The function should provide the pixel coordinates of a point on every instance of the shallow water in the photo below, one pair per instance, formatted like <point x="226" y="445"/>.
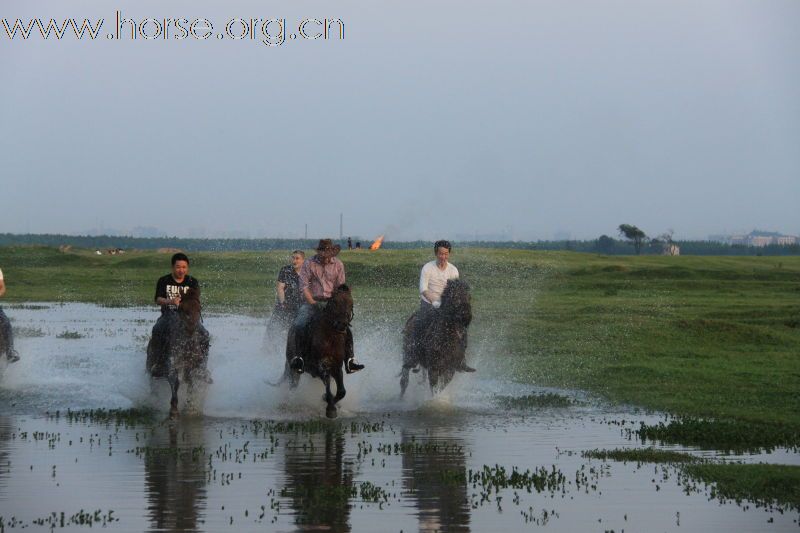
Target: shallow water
<point x="236" y="461"/>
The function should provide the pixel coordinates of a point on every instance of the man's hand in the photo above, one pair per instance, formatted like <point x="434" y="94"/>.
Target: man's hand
<point x="176" y="301"/>
<point x="437" y="304"/>
<point x="308" y="296"/>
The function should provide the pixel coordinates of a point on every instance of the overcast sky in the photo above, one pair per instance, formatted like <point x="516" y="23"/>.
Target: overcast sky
<point x="534" y="119"/>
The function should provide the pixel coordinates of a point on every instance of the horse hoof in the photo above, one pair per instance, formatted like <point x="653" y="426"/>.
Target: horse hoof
<point x="330" y="412"/>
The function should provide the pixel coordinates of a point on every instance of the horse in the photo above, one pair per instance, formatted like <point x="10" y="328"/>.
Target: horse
<point x="322" y="345"/>
<point x="178" y="351"/>
<point x="7" y="339"/>
<point x="437" y="341"/>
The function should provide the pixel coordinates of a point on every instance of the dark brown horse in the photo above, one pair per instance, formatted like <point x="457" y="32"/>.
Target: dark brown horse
<point x="438" y="341"/>
<point x="7" y="339"/>
<point x="323" y="346"/>
<point x="179" y="350"/>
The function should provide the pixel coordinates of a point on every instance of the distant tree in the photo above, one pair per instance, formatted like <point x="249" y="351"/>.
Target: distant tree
<point x="605" y="244"/>
<point x="633" y="234"/>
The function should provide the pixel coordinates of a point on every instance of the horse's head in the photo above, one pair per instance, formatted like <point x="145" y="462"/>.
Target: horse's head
<point x="339" y="311"/>
<point x="457" y="302"/>
<point x="190" y="307"/>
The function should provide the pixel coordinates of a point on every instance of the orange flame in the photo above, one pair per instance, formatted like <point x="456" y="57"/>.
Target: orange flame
<point x="377" y="244"/>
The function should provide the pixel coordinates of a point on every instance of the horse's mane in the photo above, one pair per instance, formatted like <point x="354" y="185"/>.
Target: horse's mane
<point x="340" y="305"/>
<point x="190" y="308"/>
<point x="456" y="302"/>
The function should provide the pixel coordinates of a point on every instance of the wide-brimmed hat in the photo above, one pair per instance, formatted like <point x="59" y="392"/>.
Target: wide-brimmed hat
<point x="326" y="245"/>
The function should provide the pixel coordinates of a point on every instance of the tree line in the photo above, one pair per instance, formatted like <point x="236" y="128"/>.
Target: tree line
<point x="604" y="244"/>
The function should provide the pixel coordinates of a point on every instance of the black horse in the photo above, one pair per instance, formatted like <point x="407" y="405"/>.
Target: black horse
<point x="322" y="345"/>
<point x="437" y="341"/>
<point x="7" y="339"/>
<point x="179" y="351"/>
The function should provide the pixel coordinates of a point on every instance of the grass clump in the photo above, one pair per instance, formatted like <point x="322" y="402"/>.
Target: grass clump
<point x="533" y="401"/>
<point x="120" y="417"/>
<point x="641" y="455"/>
<point x="725" y="435"/>
<point x="69" y="335"/>
<point x="762" y="484"/>
<point x="28" y="332"/>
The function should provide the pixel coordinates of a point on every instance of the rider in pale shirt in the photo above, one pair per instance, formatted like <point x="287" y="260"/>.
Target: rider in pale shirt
<point x="319" y="278"/>
<point x="432" y="281"/>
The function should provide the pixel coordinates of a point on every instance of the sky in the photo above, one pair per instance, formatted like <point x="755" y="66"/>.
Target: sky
<point x="445" y="119"/>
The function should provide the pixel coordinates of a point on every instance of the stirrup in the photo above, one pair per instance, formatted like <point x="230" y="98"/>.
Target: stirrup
<point x="297" y="364"/>
<point x="13" y="357"/>
<point x="351" y="366"/>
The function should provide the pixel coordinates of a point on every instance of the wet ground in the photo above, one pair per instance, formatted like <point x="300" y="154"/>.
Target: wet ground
<point x="246" y="456"/>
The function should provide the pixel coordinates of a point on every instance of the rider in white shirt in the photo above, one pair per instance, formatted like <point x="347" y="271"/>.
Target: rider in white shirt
<point x="432" y="281"/>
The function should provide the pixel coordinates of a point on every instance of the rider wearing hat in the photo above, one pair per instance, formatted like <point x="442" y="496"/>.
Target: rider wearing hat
<point x="319" y="277"/>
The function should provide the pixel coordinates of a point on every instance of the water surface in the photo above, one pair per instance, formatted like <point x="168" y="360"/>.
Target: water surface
<point x="249" y="456"/>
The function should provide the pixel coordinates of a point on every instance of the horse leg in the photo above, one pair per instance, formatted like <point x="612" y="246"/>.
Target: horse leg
<point x="174" y="383"/>
<point x="330" y="411"/>
<point x="403" y="381"/>
<point x="340" y="390"/>
<point x="433" y="379"/>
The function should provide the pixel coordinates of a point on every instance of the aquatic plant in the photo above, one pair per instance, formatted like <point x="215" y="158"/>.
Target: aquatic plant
<point x="641" y="455"/>
<point x="69" y="335"/>
<point x="765" y="485"/>
<point x="724" y="435"/>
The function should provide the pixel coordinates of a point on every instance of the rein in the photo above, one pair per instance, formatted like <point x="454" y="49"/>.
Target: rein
<point x="340" y="326"/>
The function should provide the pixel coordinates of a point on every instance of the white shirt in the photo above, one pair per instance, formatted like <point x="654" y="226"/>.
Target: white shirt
<point x="433" y="279"/>
<point x="1" y="275"/>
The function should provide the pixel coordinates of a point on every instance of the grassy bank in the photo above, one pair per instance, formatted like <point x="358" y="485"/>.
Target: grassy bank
<point x="699" y="336"/>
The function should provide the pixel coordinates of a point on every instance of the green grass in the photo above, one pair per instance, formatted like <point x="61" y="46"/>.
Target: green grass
<point x="726" y="435"/>
<point x="641" y="455"/>
<point x="713" y="337"/>
<point x="762" y="484"/>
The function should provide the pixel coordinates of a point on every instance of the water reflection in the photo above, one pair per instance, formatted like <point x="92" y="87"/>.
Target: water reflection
<point x="318" y="482"/>
<point x="175" y="476"/>
<point x="434" y="476"/>
<point x="6" y="432"/>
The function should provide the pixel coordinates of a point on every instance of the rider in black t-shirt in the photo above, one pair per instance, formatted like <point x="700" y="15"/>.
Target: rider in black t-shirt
<point x="169" y="290"/>
<point x="171" y="287"/>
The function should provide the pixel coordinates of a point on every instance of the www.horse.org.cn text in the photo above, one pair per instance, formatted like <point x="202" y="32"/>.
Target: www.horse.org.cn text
<point x="267" y="31"/>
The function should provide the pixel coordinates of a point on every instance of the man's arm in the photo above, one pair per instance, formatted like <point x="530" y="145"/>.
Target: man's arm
<point x="308" y="296"/>
<point x="339" y="274"/>
<point x="161" y="288"/>
<point x="305" y="282"/>
<point x="2" y="287"/>
<point x="423" y="285"/>
<point x="280" y="290"/>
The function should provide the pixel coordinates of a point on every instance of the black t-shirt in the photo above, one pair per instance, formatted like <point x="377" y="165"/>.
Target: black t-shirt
<point x="168" y="288"/>
<point x="291" y="279"/>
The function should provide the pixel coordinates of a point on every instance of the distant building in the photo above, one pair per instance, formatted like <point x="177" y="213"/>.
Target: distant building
<point x="785" y="240"/>
<point x="757" y="239"/>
